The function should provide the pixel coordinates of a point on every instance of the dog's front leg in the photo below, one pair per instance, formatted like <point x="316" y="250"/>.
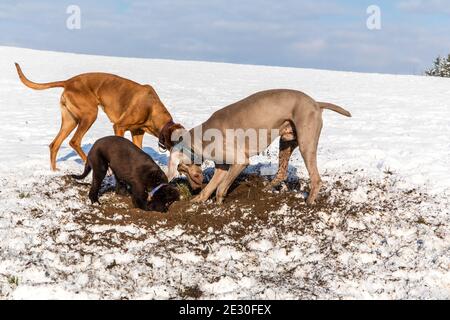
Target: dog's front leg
<point x="234" y="171"/>
<point x="118" y="130"/>
<point x="219" y="174"/>
<point x="139" y="196"/>
<point x="121" y="187"/>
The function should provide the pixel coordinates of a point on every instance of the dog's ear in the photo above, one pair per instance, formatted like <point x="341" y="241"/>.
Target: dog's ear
<point x="157" y="206"/>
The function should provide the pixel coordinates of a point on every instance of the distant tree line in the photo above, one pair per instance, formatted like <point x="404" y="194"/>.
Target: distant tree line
<point x="441" y="68"/>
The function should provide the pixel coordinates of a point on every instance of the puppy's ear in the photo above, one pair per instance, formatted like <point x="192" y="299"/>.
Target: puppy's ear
<point x="157" y="206"/>
<point x="172" y="194"/>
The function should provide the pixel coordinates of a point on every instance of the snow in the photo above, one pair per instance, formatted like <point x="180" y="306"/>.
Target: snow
<point x="398" y="137"/>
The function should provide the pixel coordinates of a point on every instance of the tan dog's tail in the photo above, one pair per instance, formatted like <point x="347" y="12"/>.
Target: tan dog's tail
<point x="38" y="86"/>
<point x="335" y="108"/>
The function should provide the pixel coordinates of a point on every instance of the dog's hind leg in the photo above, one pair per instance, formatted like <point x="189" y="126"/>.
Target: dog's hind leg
<point x="308" y="134"/>
<point x="286" y="150"/>
<point x="99" y="173"/>
<point x="118" y="131"/>
<point x="68" y="123"/>
<point x="85" y="109"/>
<point x="83" y="127"/>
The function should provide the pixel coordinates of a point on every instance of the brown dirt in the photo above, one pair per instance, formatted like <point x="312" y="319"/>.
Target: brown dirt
<point x="246" y="209"/>
<point x="191" y="293"/>
<point x="247" y="204"/>
<point x="246" y="194"/>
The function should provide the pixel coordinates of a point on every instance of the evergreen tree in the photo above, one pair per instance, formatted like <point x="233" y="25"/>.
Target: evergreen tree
<point x="446" y="68"/>
<point x="441" y="68"/>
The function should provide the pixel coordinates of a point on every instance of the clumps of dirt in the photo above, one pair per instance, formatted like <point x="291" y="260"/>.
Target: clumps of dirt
<point x="246" y="194"/>
<point x="193" y="292"/>
<point x="248" y="206"/>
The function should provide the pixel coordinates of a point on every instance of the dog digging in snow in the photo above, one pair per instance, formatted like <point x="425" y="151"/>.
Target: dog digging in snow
<point x="129" y="106"/>
<point x="246" y="128"/>
<point x="131" y="167"/>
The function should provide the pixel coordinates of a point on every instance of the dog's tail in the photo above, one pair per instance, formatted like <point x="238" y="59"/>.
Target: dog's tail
<point x="87" y="169"/>
<point x="38" y="86"/>
<point x="335" y="108"/>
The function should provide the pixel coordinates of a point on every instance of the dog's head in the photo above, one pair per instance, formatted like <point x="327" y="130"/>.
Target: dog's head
<point x="163" y="198"/>
<point x="183" y="160"/>
<point x="179" y="162"/>
<point x="193" y="173"/>
<point x="170" y="134"/>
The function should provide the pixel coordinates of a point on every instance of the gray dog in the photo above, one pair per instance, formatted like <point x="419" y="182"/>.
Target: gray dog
<point x="292" y="115"/>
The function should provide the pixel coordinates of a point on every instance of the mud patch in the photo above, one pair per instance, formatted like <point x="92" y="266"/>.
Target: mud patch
<point x="247" y="206"/>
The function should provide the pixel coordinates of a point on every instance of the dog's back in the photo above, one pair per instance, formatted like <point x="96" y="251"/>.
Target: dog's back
<point x="118" y="153"/>
<point x="121" y="155"/>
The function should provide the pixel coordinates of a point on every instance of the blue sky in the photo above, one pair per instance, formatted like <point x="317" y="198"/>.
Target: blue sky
<point x="326" y="34"/>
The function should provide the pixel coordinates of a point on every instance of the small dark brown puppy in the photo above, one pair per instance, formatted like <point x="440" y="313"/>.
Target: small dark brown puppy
<point x="133" y="167"/>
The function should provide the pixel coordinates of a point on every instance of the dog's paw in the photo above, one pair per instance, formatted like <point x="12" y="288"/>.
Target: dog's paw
<point x="271" y="187"/>
<point x="310" y="202"/>
<point x="276" y="186"/>
<point x="198" y="199"/>
<point x="94" y="200"/>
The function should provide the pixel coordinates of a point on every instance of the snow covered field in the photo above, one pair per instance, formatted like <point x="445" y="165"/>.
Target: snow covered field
<point x="383" y="230"/>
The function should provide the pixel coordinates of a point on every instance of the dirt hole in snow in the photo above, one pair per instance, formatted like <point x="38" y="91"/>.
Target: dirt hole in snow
<point x="249" y="208"/>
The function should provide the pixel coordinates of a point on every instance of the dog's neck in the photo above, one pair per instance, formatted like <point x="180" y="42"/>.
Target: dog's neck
<point x="152" y="192"/>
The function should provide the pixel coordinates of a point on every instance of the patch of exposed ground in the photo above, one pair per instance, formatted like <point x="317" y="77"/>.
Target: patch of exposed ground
<point x="364" y="238"/>
<point x="247" y="205"/>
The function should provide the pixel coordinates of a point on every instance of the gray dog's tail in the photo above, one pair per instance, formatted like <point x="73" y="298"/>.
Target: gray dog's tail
<point x="335" y="108"/>
<point x="87" y="169"/>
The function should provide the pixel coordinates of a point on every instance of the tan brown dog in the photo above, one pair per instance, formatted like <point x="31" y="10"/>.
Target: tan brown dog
<point x="130" y="107"/>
